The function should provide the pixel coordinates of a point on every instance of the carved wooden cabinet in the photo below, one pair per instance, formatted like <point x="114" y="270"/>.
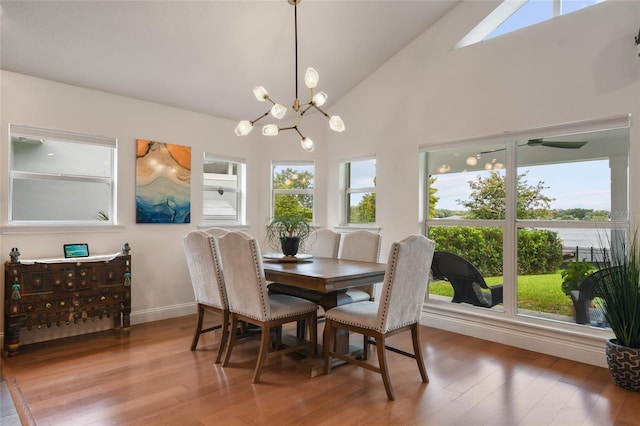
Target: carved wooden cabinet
<point x="50" y="292"/>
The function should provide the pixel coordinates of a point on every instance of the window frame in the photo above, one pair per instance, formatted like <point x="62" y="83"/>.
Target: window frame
<point x="347" y="190"/>
<point x="293" y="191"/>
<point x="239" y="190"/>
<point x="502" y="13"/>
<point x="17" y="130"/>
<point x="511" y="224"/>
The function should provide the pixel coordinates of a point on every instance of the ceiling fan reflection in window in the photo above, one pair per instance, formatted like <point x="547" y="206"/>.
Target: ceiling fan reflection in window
<point x="550" y="144"/>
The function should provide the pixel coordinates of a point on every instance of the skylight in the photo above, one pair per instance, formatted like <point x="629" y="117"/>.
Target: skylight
<point x="511" y="15"/>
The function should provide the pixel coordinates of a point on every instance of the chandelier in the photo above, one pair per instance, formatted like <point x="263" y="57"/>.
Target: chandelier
<point x="278" y="111"/>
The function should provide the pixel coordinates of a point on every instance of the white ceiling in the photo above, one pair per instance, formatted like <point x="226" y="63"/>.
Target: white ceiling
<point x="206" y="56"/>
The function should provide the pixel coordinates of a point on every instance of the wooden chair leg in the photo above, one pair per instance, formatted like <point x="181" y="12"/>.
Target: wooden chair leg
<point x="262" y="354"/>
<point x="384" y="370"/>
<point x="415" y="336"/>
<point x="301" y="329"/>
<point x="313" y="332"/>
<point x="225" y="335"/>
<point x="196" y="335"/>
<point x="232" y="340"/>
<point x="327" y="345"/>
<point x="365" y="347"/>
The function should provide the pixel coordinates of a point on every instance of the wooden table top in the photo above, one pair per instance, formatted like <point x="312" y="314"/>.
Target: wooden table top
<point x="324" y="274"/>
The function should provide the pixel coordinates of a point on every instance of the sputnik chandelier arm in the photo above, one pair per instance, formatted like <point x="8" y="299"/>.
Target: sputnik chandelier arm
<point x="278" y="111"/>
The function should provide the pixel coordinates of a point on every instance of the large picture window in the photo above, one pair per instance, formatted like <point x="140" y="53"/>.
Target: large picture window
<point x="60" y="177"/>
<point x="531" y="212"/>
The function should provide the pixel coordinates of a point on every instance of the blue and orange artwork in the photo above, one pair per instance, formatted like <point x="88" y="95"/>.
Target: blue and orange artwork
<point x="163" y="182"/>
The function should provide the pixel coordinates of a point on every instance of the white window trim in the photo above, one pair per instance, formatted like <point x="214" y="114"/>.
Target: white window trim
<point x="275" y="191"/>
<point x="346" y="191"/>
<point x="582" y="344"/>
<point x="21" y="130"/>
<point x="241" y="208"/>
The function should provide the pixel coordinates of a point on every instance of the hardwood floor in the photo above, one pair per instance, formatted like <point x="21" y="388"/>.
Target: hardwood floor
<point x="151" y="378"/>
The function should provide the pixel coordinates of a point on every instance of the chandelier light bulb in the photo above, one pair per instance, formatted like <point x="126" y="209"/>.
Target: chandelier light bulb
<point x="243" y="128"/>
<point x="270" y="130"/>
<point x="320" y="98"/>
<point x="471" y="161"/>
<point x="260" y="93"/>
<point x="278" y="111"/>
<point x="311" y="78"/>
<point x="336" y="123"/>
<point x="307" y="144"/>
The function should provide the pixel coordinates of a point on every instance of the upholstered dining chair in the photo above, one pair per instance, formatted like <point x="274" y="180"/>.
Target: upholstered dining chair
<point x="216" y="232"/>
<point x="363" y="246"/>
<point x="203" y="262"/>
<point x="249" y="299"/>
<point x="322" y="243"/>
<point x="403" y="291"/>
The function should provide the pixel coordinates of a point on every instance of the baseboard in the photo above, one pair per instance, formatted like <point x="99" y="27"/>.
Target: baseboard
<point x="164" y="312"/>
<point x="581" y="344"/>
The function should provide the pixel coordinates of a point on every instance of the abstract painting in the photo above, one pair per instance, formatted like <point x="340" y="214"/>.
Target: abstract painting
<point x="163" y="182"/>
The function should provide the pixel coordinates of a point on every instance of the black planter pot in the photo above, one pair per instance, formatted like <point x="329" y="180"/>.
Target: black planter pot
<point x="290" y="245"/>
<point x="624" y="365"/>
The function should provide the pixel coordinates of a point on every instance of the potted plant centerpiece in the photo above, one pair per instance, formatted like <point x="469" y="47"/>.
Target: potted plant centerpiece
<point x="287" y="232"/>
<point x="619" y="291"/>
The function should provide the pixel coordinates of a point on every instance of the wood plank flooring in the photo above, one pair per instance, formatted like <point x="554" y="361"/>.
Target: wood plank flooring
<point x="151" y="378"/>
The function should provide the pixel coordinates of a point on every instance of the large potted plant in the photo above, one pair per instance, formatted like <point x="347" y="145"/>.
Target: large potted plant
<point x="287" y="232"/>
<point x="619" y="291"/>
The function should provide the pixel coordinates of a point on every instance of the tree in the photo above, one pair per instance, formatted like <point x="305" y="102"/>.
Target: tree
<point x="293" y="204"/>
<point x="433" y="199"/>
<point x="487" y="198"/>
<point x="365" y="211"/>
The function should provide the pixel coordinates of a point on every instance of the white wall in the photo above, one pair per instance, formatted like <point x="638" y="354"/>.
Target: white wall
<point x="572" y="68"/>
<point x="575" y="67"/>
<point x="161" y="287"/>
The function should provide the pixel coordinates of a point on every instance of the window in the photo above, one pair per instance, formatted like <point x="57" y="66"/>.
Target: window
<point x="524" y="210"/>
<point x="360" y="191"/>
<point x="223" y="197"/>
<point x="59" y="177"/>
<point x="293" y="188"/>
<point x="512" y="15"/>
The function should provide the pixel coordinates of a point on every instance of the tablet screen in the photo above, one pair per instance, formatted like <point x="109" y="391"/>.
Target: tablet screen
<point x="76" y="250"/>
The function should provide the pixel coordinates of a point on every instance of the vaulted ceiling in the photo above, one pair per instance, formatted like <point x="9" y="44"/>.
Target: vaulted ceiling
<point x="206" y="56"/>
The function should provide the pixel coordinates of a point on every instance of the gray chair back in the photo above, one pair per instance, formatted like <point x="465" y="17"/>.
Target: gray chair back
<point x="244" y="275"/>
<point x="405" y="282"/>
<point x="203" y="261"/>
<point x="216" y="232"/>
<point x="363" y="246"/>
<point x="323" y="243"/>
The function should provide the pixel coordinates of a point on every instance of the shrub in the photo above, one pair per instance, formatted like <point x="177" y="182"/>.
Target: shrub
<point x="539" y="250"/>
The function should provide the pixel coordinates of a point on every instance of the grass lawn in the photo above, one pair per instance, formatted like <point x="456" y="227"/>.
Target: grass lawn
<point x="540" y="293"/>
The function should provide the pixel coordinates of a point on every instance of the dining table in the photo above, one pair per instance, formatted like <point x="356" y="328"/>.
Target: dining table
<point x="329" y="277"/>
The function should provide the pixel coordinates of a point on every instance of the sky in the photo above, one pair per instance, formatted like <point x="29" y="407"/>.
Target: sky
<point x="573" y="185"/>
